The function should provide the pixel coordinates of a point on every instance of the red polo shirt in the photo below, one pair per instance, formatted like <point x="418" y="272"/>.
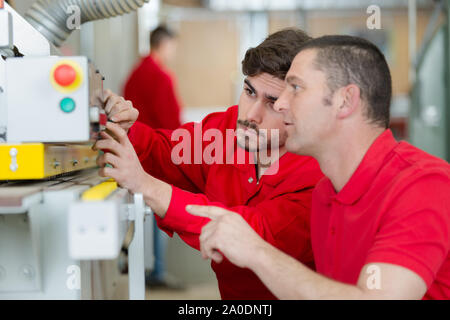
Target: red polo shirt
<point x="277" y="207"/>
<point x="394" y="209"/>
<point x="152" y="89"/>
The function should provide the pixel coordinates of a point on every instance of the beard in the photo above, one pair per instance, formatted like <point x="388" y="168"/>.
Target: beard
<point x="253" y="139"/>
<point x="248" y="137"/>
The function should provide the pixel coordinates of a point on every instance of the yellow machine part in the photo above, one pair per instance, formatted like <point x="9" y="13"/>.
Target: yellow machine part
<point x="32" y="161"/>
<point x="100" y="191"/>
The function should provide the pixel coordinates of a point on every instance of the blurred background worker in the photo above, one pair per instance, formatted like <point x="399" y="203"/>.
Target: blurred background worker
<point x="151" y="88"/>
<point x="151" y="85"/>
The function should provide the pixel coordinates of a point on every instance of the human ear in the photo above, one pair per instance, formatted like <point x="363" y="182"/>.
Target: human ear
<point x="351" y="101"/>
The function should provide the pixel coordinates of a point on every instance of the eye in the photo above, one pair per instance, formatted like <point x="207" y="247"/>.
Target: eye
<point x="295" y="87"/>
<point x="249" y="92"/>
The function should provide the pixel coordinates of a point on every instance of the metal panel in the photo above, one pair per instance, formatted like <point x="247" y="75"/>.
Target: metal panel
<point x="35" y="262"/>
<point x="34" y="113"/>
<point x="103" y="223"/>
<point x="19" y="266"/>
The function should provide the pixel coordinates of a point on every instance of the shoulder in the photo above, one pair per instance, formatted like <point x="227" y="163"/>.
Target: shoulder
<point x="221" y="120"/>
<point x="418" y="183"/>
<point x="417" y="158"/>
<point x="149" y="67"/>
<point x="413" y="165"/>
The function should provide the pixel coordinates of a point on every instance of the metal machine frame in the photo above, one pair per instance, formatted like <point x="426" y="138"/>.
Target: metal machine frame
<point x="62" y="227"/>
<point x="41" y="255"/>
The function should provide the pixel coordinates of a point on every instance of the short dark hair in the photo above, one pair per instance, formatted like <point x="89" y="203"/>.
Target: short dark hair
<point x="159" y="34"/>
<point x="346" y="60"/>
<point x="275" y="54"/>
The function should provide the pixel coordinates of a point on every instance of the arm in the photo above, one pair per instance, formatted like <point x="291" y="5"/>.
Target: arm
<point x="159" y="153"/>
<point x="155" y="148"/>
<point x="286" y="277"/>
<point x="401" y="264"/>
<point x="280" y="231"/>
<point x="289" y="279"/>
<point x="169" y="202"/>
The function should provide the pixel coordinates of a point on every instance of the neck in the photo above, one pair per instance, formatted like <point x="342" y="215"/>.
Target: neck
<point x="157" y="57"/>
<point x="340" y="159"/>
<point x="267" y="158"/>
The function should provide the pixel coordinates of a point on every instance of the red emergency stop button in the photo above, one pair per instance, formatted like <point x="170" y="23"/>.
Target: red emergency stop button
<point x="65" y="75"/>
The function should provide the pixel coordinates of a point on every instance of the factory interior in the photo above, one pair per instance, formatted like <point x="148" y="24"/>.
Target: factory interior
<point x="50" y="190"/>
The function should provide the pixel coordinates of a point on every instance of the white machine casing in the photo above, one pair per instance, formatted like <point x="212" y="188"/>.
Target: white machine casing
<point x="97" y="228"/>
<point x="53" y="243"/>
<point x="33" y="104"/>
<point x="16" y="31"/>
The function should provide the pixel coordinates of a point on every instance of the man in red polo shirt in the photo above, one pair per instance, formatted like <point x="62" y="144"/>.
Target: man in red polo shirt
<point x="380" y="220"/>
<point x="272" y="192"/>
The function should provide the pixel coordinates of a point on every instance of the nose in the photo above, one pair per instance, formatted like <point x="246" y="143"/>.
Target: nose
<point x="281" y="105"/>
<point x="255" y="113"/>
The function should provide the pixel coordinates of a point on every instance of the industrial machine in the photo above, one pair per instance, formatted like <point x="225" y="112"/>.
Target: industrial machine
<point x="429" y="123"/>
<point x="62" y="227"/>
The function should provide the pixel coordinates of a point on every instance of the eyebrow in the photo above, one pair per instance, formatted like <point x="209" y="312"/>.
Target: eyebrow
<point x="267" y="96"/>
<point x="291" y="79"/>
<point x="247" y="82"/>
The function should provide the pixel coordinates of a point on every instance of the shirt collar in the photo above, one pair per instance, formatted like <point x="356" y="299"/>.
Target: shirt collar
<point x="277" y="172"/>
<point x="364" y="175"/>
<point x="282" y="168"/>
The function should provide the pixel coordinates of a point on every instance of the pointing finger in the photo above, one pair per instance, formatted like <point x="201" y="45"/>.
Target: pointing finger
<point x="206" y="211"/>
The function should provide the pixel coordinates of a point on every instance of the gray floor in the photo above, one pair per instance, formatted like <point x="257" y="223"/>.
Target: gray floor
<point x="204" y="291"/>
<point x="194" y="291"/>
<point x="187" y="265"/>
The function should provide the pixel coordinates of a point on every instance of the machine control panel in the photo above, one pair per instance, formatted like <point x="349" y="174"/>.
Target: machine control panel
<point x="53" y="103"/>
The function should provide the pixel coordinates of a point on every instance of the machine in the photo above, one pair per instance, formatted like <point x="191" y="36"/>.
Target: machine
<point x="62" y="227"/>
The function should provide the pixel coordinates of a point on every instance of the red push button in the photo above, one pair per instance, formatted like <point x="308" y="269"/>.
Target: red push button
<point x="65" y="75"/>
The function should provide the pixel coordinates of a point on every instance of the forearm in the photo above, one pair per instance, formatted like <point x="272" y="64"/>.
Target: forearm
<point x="154" y="148"/>
<point x="157" y="195"/>
<point x="287" y="278"/>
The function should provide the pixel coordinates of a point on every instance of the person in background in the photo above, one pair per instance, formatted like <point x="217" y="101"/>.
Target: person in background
<point x="151" y="88"/>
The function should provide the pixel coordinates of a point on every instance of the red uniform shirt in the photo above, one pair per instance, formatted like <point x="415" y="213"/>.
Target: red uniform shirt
<point x="394" y="209"/>
<point x="277" y="207"/>
<point x="151" y="88"/>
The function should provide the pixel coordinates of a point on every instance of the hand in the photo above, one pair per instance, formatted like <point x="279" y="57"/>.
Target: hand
<point x="119" y="110"/>
<point x="126" y="168"/>
<point x="228" y="233"/>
